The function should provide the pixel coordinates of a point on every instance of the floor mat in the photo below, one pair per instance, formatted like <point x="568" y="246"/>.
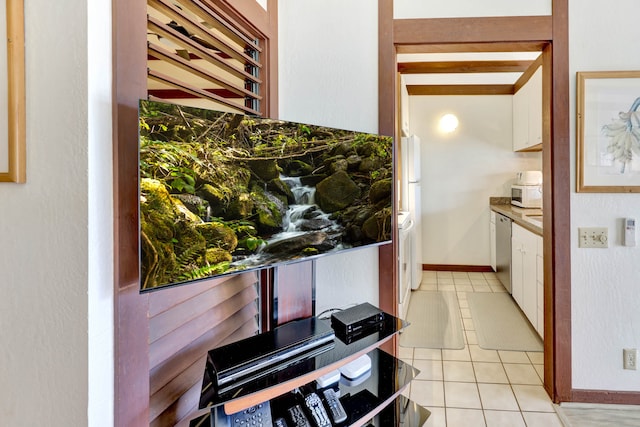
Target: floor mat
<point x="499" y="323"/>
<point x="594" y="415"/>
<point x="435" y="321"/>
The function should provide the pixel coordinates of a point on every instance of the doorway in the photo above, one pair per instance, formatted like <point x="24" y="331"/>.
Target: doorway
<point x="513" y="34"/>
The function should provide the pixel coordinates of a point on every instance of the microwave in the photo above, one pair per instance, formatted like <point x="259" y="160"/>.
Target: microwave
<point x="526" y="196"/>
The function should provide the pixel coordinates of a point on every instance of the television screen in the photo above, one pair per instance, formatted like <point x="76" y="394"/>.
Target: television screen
<point x="222" y="192"/>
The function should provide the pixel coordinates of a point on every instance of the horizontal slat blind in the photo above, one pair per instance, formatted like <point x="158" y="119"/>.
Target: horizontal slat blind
<point x="184" y="323"/>
<point x="198" y="56"/>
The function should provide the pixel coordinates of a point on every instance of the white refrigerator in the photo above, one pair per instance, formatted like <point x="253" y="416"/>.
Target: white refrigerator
<point x="411" y="201"/>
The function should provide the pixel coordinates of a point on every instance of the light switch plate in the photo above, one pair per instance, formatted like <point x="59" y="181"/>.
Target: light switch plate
<point x="593" y="237"/>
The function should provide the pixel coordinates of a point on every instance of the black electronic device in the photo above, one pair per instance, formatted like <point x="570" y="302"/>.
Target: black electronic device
<point x="208" y="180"/>
<point x="316" y="409"/>
<point x="256" y="355"/>
<point x="258" y="415"/>
<point x="355" y="320"/>
<point x="298" y="418"/>
<point x="336" y="409"/>
<point x="280" y="422"/>
<point x="360" y="404"/>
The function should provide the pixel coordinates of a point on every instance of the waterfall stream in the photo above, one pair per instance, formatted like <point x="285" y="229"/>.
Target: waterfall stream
<point x="303" y="225"/>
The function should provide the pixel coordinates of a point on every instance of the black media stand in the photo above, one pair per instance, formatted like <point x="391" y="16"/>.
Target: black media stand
<point x="377" y="399"/>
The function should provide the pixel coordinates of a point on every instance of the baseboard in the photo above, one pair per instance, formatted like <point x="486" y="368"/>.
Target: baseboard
<point x="605" y="397"/>
<point x="455" y="267"/>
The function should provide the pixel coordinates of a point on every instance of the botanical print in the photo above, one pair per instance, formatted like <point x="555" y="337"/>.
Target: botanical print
<point x="624" y="138"/>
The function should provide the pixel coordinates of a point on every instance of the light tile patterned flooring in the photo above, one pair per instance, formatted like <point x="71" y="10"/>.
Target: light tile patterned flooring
<point x="476" y="387"/>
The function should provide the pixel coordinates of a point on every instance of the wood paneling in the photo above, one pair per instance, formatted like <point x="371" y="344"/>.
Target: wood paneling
<point x="437" y="67"/>
<point x="131" y="326"/>
<point x="460" y="89"/>
<point x="178" y="349"/>
<point x="217" y="311"/>
<point x="524" y="78"/>
<point x="388" y="80"/>
<point x="496" y="46"/>
<point x="557" y="196"/>
<point x="294" y="285"/>
<point x="505" y="29"/>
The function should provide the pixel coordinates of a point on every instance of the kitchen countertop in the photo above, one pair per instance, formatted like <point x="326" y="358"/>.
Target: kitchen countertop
<point x="531" y="219"/>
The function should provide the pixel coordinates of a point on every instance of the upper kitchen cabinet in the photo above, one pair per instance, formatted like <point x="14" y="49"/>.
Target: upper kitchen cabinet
<point x="527" y="115"/>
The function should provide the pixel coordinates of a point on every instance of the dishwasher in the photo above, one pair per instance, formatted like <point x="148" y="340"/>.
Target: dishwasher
<point x="503" y="250"/>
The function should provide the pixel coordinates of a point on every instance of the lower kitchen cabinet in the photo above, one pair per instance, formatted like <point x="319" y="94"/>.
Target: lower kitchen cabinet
<point x="524" y="272"/>
<point x="540" y="285"/>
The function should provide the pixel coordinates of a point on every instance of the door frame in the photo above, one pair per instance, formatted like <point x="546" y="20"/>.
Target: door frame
<point x="551" y="33"/>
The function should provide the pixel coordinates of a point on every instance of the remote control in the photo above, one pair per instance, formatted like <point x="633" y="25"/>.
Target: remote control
<point x="320" y="416"/>
<point x="280" y="422"/>
<point x="258" y="415"/>
<point x="297" y="417"/>
<point x="335" y="407"/>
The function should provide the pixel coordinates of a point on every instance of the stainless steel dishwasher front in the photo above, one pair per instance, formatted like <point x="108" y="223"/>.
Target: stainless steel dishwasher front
<point x="503" y="250"/>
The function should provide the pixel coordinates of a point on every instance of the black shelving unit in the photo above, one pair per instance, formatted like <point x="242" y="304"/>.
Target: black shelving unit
<point x="375" y="398"/>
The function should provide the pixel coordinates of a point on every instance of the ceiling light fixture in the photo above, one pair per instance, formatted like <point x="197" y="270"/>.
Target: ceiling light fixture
<point x="448" y="123"/>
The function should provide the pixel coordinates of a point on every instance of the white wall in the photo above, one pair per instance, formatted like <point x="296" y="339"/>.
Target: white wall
<point x="403" y="9"/>
<point x="605" y="283"/>
<point x="100" y="282"/>
<point x="328" y="64"/>
<point x="46" y="261"/>
<point x="461" y="170"/>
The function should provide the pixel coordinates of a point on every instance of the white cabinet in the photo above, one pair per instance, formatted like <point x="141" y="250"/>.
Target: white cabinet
<point x="492" y="237"/>
<point x="540" y="285"/>
<point x="520" y="119"/>
<point x="527" y="114"/>
<point x="524" y="269"/>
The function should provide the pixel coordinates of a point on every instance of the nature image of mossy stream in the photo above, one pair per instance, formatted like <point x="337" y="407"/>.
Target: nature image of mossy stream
<point x="215" y="187"/>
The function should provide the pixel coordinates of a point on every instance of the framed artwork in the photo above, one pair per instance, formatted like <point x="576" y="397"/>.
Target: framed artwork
<point x="12" y="93"/>
<point x="608" y="132"/>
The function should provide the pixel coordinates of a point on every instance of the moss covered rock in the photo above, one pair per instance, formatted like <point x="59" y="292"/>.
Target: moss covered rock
<point x="218" y="235"/>
<point x="336" y="192"/>
<point x="217" y="255"/>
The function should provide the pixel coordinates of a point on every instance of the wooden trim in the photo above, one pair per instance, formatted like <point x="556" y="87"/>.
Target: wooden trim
<point x="131" y="323"/>
<point x="270" y="63"/>
<point x="236" y="33"/>
<point x="524" y="78"/>
<point x="387" y="101"/>
<point x="531" y="149"/>
<point x="457" y="267"/>
<point x="167" y="94"/>
<point x="196" y="28"/>
<point x="472" y="30"/>
<point x="518" y="33"/>
<point x="158" y="27"/>
<point x="606" y="396"/>
<point x="460" y="89"/>
<point x="178" y="61"/>
<point x="388" y="125"/>
<point x="253" y="16"/>
<point x="16" y="97"/>
<point x="557" y="202"/>
<point x="463" y="67"/>
<point x="200" y="93"/>
<point x="520" y="46"/>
